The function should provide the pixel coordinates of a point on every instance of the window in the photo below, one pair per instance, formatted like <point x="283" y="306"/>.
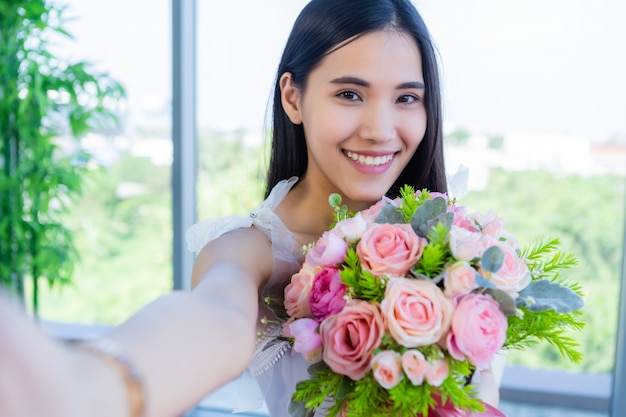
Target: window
<point x="122" y="223"/>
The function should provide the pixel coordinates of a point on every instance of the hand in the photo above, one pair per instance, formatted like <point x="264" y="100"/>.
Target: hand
<point x="40" y="377"/>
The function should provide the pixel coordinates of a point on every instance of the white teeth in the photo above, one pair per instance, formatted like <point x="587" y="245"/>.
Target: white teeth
<point x="369" y="160"/>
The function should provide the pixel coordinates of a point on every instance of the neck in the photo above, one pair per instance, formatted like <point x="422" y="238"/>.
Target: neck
<point x="306" y="212"/>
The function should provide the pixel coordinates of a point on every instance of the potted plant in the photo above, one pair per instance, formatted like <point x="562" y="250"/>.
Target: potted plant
<point x="44" y="101"/>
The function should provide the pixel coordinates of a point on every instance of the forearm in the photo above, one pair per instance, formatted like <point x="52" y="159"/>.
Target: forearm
<point x="188" y="344"/>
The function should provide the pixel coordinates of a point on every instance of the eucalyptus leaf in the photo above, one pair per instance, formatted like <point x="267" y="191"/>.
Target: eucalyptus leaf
<point x="507" y="303"/>
<point x="345" y="388"/>
<point x="545" y="295"/>
<point x="316" y="367"/>
<point x="429" y="214"/>
<point x="389" y="214"/>
<point x="484" y="282"/>
<point x="296" y="409"/>
<point x="445" y="218"/>
<point x="492" y="259"/>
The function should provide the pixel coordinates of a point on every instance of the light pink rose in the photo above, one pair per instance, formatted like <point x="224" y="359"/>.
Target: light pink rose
<point x="510" y="239"/>
<point x="352" y="228"/>
<point x="298" y="290"/>
<point x="327" y="293"/>
<point x="416" y="311"/>
<point x="488" y="223"/>
<point x="350" y="336"/>
<point x="513" y="276"/>
<point x="390" y="249"/>
<point x="387" y="368"/>
<point x="459" y="278"/>
<point x="438" y="371"/>
<point x="465" y="244"/>
<point x="330" y="249"/>
<point x="307" y="340"/>
<point x="415" y="366"/>
<point x="465" y="224"/>
<point x="478" y="329"/>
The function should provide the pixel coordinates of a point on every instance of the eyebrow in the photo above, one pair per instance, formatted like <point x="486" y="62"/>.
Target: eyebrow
<point x="360" y="82"/>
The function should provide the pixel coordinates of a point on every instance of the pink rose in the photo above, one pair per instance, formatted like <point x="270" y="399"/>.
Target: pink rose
<point x="387" y="368"/>
<point x="465" y="244"/>
<point x="330" y="249"/>
<point x="415" y="366"/>
<point x="478" y="329"/>
<point x="438" y="371"/>
<point x="510" y="239"/>
<point x="307" y="340"/>
<point x="298" y="290"/>
<point x="489" y="223"/>
<point x="416" y="311"/>
<point x="327" y="293"/>
<point x="459" y="278"/>
<point x="513" y="276"/>
<point x="464" y="223"/>
<point x="390" y="249"/>
<point x="350" y="336"/>
<point x="352" y="228"/>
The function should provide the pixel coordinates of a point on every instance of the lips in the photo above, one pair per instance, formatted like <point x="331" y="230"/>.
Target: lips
<point x="369" y="160"/>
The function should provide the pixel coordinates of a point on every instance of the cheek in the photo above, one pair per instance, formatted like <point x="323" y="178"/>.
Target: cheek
<point x="412" y="131"/>
<point x="329" y="125"/>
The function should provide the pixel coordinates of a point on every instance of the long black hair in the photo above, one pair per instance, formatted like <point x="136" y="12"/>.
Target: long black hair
<point x="320" y="27"/>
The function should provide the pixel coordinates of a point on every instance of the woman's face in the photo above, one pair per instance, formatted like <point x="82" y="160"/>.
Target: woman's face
<point x="363" y="115"/>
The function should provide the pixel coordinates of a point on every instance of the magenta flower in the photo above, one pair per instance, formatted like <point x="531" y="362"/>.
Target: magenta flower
<point x="327" y="294"/>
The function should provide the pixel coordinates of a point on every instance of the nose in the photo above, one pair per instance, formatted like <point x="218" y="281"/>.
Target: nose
<point x="377" y="124"/>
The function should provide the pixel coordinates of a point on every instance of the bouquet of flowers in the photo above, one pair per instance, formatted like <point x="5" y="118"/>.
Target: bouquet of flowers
<point x="398" y="305"/>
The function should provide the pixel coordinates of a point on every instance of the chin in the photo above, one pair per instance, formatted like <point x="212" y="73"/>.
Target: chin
<point x="367" y="196"/>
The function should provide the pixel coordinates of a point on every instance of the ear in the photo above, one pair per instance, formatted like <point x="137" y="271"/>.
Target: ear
<point x="290" y="98"/>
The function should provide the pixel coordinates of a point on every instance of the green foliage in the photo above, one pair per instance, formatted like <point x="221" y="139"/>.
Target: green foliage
<point x="361" y="284"/>
<point x="341" y="212"/>
<point x="580" y="210"/>
<point x="529" y="328"/>
<point x="366" y="397"/>
<point x="323" y="384"/>
<point x="43" y="99"/>
<point x="545" y="260"/>
<point x="408" y="202"/>
<point x="435" y="254"/>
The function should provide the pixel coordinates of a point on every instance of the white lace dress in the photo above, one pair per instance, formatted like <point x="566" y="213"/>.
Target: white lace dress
<point x="274" y="367"/>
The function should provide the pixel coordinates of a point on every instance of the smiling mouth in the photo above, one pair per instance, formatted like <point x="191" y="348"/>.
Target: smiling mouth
<point x="368" y="160"/>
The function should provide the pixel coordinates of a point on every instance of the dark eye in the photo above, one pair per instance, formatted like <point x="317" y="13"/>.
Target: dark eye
<point x="408" y="99"/>
<point x="349" y="95"/>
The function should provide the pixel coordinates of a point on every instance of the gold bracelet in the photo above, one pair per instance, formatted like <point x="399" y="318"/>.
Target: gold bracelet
<point x="112" y="354"/>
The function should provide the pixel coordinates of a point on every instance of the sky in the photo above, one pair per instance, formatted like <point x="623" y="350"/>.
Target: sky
<point x="531" y="66"/>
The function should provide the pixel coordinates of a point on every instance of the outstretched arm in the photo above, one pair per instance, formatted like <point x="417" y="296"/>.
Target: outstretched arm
<point x="184" y="344"/>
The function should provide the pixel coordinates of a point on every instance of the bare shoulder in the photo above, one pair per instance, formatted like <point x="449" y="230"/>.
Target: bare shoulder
<point x="247" y="249"/>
